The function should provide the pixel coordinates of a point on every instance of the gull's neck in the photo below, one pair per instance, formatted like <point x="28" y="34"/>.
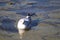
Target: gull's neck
<point x="27" y="16"/>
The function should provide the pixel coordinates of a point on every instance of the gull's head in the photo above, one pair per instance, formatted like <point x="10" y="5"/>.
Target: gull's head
<point x="28" y="15"/>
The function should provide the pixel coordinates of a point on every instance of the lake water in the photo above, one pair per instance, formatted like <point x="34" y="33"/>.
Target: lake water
<point x="45" y="26"/>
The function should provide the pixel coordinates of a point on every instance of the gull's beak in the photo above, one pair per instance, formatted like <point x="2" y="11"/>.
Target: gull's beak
<point x="34" y="14"/>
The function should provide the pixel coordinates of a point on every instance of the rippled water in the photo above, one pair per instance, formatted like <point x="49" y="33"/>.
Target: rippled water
<point x="32" y="5"/>
<point x="46" y="25"/>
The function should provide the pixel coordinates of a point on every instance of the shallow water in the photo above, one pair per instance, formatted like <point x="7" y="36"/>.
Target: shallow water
<point x="45" y="26"/>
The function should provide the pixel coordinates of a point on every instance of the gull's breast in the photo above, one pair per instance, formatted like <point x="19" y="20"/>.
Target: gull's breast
<point x="21" y="26"/>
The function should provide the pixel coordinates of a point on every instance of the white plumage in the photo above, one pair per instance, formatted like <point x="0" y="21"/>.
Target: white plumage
<point x="21" y="25"/>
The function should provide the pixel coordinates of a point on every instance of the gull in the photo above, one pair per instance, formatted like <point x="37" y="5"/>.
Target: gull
<point x="23" y="24"/>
